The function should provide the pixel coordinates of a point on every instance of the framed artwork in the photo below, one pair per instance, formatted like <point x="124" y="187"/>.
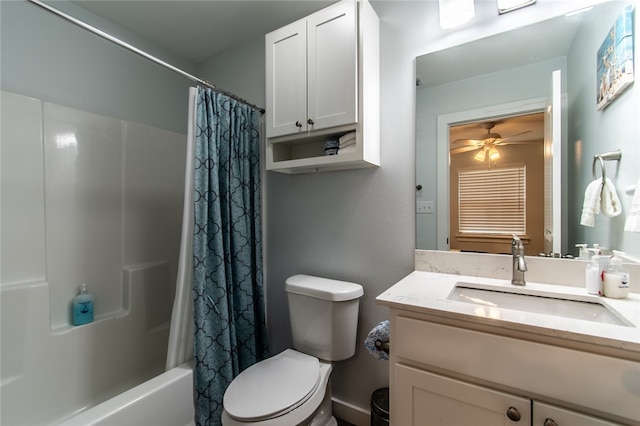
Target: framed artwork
<point x="615" y="60"/>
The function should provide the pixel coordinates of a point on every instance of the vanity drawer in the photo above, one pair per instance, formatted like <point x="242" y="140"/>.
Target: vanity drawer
<point x="603" y="383"/>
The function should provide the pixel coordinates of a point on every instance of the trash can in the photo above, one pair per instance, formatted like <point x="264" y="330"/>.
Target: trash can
<point x="380" y="407"/>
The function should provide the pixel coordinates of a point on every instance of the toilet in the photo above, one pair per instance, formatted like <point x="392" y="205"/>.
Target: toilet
<point x="292" y="387"/>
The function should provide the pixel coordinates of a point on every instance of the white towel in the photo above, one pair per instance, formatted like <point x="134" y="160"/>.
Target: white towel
<point x="350" y="142"/>
<point x="591" y="205"/>
<point x="632" y="224"/>
<point x="598" y="198"/>
<point x="347" y="150"/>
<point x="379" y="333"/>
<point x="610" y="206"/>
<point x="346" y="138"/>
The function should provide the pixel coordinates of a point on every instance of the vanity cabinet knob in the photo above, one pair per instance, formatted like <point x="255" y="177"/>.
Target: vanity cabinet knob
<point x="549" y="422"/>
<point x="298" y="124"/>
<point x="514" y="414"/>
<point x="310" y="121"/>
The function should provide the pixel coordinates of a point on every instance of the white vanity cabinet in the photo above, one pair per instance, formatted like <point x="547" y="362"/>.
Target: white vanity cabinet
<point x="549" y="415"/>
<point x="424" y="398"/>
<point x="322" y="81"/>
<point x="447" y="374"/>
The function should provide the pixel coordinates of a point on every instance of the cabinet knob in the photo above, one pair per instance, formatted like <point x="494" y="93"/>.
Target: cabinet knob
<point x="298" y="124"/>
<point x="310" y="121"/>
<point x="513" y="414"/>
<point x="549" y="422"/>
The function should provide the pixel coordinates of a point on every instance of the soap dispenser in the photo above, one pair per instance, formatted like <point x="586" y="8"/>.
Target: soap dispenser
<point x="616" y="279"/>
<point x="83" y="307"/>
<point x="584" y="254"/>
<point x="594" y="274"/>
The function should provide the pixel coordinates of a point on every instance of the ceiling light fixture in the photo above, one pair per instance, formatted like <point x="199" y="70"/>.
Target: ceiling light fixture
<point x="455" y="12"/>
<point x="505" y="6"/>
<point x="490" y="154"/>
<point x="480" y="155"/>
<point x="494" y="154"/>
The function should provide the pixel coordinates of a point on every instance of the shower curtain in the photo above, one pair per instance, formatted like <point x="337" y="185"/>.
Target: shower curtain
<point x="180" y="348"/>
<point x="228" y="299"/>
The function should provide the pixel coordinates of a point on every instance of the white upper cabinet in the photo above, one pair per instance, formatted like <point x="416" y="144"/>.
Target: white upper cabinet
<point x="332" y="79"/>
<point x="312" y="72"/>
<point x="322" y="82"/>
<point x="287" y="79"/>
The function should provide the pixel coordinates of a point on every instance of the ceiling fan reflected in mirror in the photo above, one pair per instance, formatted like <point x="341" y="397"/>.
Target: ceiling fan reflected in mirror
<point x="487" y="144"/>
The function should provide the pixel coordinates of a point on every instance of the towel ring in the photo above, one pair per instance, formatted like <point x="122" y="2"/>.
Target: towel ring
<point x="607" y="156"/>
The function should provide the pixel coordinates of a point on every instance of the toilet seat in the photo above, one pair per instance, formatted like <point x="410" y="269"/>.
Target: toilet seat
<point x="273" y="387"/>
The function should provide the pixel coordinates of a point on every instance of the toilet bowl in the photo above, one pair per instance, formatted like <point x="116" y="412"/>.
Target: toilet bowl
<point x="297" y="393"/>
<point x="293" y="388"/>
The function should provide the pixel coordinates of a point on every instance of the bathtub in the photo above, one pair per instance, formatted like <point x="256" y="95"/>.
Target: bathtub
<point x="165" y="400"/>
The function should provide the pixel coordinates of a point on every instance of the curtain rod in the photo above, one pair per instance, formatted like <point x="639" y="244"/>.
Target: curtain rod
<point x="140" y="52"/>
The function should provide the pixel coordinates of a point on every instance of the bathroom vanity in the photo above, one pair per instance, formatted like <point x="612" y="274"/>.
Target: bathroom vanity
<point x="473" y="349"/>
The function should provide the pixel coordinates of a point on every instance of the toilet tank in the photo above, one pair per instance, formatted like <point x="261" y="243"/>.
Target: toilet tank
<point x="324" y="316"/>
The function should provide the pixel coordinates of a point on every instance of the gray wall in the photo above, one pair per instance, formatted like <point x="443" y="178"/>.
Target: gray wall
<point x="355" y="225"/>
<point x="48" y="58"/>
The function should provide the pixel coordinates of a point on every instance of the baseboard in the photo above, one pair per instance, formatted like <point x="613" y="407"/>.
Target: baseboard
<point x="350" y="413"/>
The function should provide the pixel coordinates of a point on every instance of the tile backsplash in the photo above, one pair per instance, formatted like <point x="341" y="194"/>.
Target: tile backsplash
<point x="569" y="272"/>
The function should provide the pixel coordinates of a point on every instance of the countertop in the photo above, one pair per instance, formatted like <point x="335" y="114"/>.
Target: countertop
<point x="427" y="293"/>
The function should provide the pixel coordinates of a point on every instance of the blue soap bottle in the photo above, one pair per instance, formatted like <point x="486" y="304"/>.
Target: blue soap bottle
<point x="83" y="307"/>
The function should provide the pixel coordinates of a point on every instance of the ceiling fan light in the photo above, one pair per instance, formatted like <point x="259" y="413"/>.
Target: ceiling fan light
<point x="480" y="155"/>
<point x="492" y="137"/>
<point x="455" y="12"/>
<point x="494" y="154"/>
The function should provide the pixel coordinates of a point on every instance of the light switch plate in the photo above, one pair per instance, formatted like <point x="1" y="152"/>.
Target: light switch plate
<point x="424" y="207"/>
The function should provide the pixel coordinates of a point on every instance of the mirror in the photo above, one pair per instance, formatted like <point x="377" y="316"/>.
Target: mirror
<point x="510" y="74"/>
<point x="496" y="184"/>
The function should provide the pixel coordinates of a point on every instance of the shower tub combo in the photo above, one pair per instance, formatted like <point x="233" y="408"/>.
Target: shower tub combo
<point x="165" y="400"/>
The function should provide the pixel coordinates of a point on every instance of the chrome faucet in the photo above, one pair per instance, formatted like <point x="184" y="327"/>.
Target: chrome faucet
<point x="519" y="264"/>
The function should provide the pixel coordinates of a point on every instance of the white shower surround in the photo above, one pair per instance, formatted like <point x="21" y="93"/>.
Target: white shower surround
<point x="85" y="198"/>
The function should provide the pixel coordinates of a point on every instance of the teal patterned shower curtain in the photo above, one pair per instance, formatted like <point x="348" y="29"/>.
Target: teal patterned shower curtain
<point x="230" y="333"/>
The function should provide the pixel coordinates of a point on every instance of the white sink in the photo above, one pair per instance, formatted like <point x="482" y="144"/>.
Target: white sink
<point x="589" y="308"/>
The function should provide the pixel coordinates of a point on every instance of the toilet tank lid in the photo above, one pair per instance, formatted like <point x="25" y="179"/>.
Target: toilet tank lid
<point x="323" y="288"/>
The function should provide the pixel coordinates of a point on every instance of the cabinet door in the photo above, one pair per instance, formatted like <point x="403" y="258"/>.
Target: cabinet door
<point x="332" y="66"/>
<point x="550" y="415"/>
<point x="423" y="398"/>
<point x="286" y="69"/>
